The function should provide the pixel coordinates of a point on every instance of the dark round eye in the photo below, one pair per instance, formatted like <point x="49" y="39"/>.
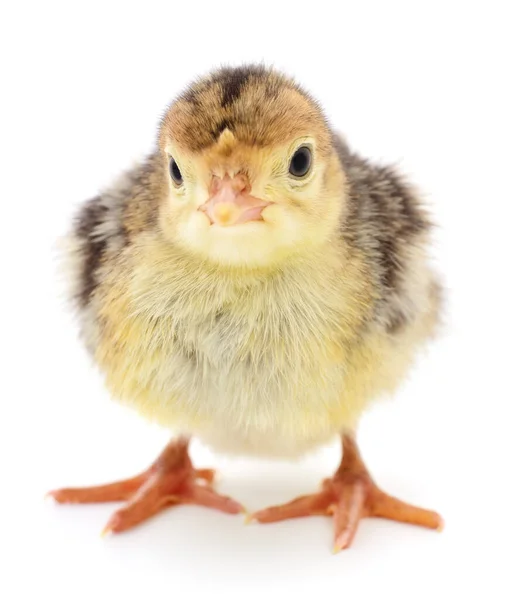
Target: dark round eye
<point x="300" y="162"/>
<point x="175" y="172"/>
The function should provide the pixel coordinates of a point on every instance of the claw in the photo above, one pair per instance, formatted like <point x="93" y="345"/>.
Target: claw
<point x="106" y="532"/>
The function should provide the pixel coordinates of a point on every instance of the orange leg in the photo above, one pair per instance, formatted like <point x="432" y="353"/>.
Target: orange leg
<point x="349" y="496"/>
<point x="171" y="479"/>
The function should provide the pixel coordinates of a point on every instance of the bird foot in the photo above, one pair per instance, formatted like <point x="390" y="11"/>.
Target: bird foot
<point x="349" y="496"/>
<point x="170" y="480"/>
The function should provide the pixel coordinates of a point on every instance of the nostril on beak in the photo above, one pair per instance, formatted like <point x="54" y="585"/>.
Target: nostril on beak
<point x="240" y="184"/>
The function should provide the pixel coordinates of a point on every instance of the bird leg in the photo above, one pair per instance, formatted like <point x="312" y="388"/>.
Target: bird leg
<point x="349" y="496"/>
<point x="170" y="480"/>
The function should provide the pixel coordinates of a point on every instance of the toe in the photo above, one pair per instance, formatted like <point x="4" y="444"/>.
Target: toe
<point x="348" y="512"/>
<point x="112" y="492"/>
<point x="206" y="496"/>
<point x="208" y="475"/>
<point x="388" y="507"/>
<point x="305" y="506"/>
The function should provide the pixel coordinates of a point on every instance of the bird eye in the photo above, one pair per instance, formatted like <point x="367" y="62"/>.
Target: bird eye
<point x="300" y="163"/>
<point x="175" y="172"/>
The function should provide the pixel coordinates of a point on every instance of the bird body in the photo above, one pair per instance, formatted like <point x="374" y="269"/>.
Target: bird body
<point x="272" y="362"/>
<point x="257" y="308"/>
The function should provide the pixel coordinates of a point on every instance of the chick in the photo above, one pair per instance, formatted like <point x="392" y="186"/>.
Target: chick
<point x="256" y="284"/>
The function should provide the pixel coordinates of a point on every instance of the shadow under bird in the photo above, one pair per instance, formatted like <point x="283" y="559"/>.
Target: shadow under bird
<point x="256" y="284"/>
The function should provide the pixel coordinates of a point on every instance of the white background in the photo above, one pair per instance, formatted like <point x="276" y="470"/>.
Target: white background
<point x="425" y="85"/>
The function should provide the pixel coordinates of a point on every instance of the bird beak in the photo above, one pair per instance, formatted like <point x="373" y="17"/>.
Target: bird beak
<point x="230" y="202"/>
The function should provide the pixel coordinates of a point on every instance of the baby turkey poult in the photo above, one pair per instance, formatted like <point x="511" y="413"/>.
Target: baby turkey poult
<point x="256" y="284"/>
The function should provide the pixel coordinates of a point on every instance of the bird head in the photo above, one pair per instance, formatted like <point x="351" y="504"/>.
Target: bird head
<point x="252" y="174"/>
